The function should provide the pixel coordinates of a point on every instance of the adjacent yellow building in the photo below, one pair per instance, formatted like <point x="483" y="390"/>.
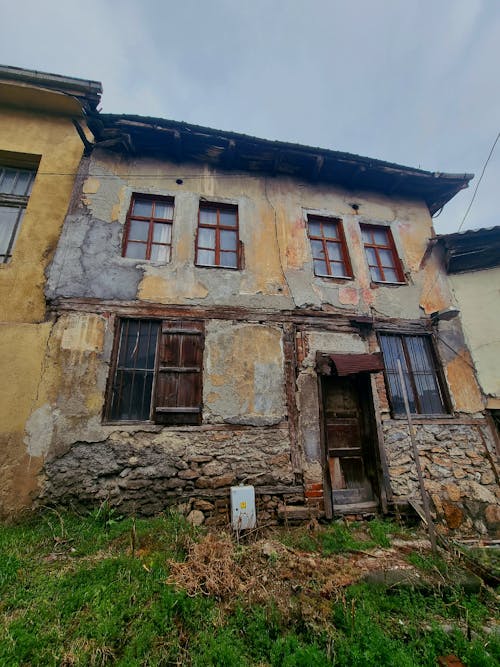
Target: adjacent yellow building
<point x="43" y="135"/>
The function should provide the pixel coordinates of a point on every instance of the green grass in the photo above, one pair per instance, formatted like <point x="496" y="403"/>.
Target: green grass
<point x="92" y="591"/>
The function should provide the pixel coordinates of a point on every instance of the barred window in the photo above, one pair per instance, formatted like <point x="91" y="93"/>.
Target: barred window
<point x="157" y="372"/>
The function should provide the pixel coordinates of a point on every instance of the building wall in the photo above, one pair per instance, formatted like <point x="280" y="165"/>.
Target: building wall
<point x="264" y="325"/>
<point x="478" y="297"/>
<point x="51" y="138"/>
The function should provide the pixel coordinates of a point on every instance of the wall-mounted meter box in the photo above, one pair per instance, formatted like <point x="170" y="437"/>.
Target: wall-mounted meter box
<point x="243" y="514"/>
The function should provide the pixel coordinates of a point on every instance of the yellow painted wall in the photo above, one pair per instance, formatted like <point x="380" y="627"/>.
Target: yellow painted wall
<point x="23" y="330"/>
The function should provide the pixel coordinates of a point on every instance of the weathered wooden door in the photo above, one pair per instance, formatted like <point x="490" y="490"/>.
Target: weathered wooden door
<point x="349" y="445"/>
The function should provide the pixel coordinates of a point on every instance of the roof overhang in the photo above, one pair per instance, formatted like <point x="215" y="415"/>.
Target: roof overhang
<point x="472" y="250"/>
<point x="161" y="138"/>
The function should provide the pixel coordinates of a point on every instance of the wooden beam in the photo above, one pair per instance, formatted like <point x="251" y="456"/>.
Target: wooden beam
<point x="291" y="389"/>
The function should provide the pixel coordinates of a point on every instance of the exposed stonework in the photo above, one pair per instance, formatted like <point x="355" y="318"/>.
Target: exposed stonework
<point x="458" y="471"/>
<point x="144" y="472"/>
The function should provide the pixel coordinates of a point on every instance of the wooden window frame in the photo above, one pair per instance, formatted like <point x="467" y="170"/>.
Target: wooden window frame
<point x="390" y="246"/>
<point x="339" y="240"/>
<point x="159" y="413"/>
<point x="435" y="370"/>
<point x="149" y="243"/>
<point x="218" y="228"/>
<point x="17" y="202"/>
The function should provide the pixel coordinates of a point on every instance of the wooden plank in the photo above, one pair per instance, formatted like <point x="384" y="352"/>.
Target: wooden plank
<point x="290" y="390"/>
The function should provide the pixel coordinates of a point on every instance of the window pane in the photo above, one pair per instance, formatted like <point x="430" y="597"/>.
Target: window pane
<point x="160" y="253"/>
<point x="228" y="259"/>
<point x="162" y="233"/>
<point x="22" y="186"/>
<point x="228" y="218"/>
<point x="164" y="210"/>
<point x="136" y="250"/>
<point x="138" y="230"/>
<point x="206" y="238"/>
<point x="338" y="269"/>
<point x="8" y="180"/>
<point x="143" y="207"/>
<point x="8" y="219"/>
<point x="330" y="230"/>
<point x="317" y="249"/>
<point x="320" y="268"/>
<point x="390" y="276"/>
<point x="208" y="216"/>
<point x="366" y="235"/>
<point x="334" y="251"/>
<point x="375" y="274"/>
<point x="380" y="236"/>
<point x="206" y="257"/>
<point x="371" y="256"/>
<point x="314" y="228"/>
<point x="227" y="240"/>
<point x="386" y="258"/>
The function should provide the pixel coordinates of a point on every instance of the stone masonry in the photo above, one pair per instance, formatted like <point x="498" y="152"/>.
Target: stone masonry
<point x="143" y="473"/>
<point x="458" y="465"/>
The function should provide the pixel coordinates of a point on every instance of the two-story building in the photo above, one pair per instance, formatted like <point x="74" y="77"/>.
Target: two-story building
<point x="42" y="138"/>
<point x="232" y="310"/>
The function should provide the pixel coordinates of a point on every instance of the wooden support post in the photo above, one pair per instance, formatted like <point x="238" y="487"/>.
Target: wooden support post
<point x="291" y="388"/>
<point x="416" y="456"/>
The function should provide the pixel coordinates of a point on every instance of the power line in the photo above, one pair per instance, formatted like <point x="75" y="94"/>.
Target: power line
<point x="479" y="182"/>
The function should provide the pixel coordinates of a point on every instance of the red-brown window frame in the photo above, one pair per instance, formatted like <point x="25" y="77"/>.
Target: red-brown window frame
<point x="391" y="247"/>
<point x="218" y="228"/>
<point x="339" y="240"/>
<point x="151" y="220"/>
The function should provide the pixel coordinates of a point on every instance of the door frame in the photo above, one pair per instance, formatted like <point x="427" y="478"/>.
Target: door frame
<point x="379" y="490"/>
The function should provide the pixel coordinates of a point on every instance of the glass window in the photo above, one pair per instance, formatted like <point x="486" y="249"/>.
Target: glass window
<point x="148" y="230"/>
<point x="15" y="189"/>
<point x="420" y="374"/>
<point x="381" y="255"/>
<point x="328" y="247"/>
<point x="217" y="242"/>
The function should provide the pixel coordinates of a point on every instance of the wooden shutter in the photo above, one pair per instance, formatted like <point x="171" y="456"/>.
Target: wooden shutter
<point x="178" y="394"/>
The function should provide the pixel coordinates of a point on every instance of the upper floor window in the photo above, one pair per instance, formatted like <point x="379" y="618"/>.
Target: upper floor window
<point x="148" y="230"/>
<point x="157" y="372"/>
<point x="217" y="242"/>
<point x="420" y="371"/>
<point x="328" y="246"/>
<point x="381" y="255"/>
<point x="15" y="190"/>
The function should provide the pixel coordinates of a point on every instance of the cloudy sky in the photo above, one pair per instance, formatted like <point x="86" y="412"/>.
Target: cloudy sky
<point x="415" y="82"/>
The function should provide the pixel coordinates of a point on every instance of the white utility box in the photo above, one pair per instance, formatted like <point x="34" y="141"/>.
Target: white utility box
<point x="243" y="514"/>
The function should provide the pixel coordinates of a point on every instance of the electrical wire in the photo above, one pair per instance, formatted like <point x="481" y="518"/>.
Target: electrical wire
<point x="479" y="182"/>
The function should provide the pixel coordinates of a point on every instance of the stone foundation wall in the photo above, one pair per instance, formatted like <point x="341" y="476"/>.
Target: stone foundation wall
<point x="143" y="473"/>
<point x="458" y="462"/>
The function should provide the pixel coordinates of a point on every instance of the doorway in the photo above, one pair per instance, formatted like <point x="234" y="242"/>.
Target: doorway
<point x="350" y="443"/>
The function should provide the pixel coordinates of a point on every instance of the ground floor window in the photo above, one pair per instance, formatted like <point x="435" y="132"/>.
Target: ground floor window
<point x="424" y="385"/>
<point x="157" y="372"/>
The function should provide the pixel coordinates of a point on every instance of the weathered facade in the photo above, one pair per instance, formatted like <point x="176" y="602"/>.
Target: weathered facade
<point x="40" y="151"/>
<point x="472" y="261"/>
<point x="229" y="310"/>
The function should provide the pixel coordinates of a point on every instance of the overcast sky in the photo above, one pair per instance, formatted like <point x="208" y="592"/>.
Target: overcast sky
<point x="414" y="82"/>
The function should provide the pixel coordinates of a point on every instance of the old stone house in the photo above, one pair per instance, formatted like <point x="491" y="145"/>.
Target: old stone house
<point x="229" y="310"/>
<point x="42" y="139"/>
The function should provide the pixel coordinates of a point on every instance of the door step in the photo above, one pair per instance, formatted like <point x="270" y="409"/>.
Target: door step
<point x="368" y="507"/>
